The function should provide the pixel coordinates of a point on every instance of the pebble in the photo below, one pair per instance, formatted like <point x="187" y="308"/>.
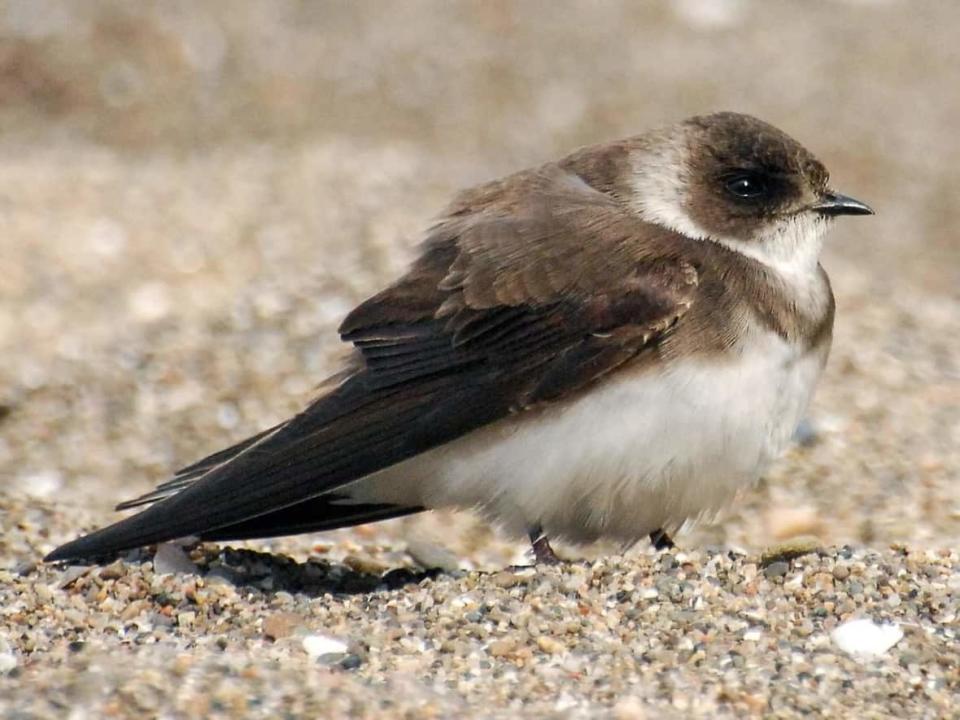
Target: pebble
<point x="430" y="555"/>
<point x="171" y="558"/>
<point x="72" y="574"/>
<point x="807" y="434"/>
<point x="25" y="567"/>
<point x="8" y="660"/>
<point x="549" y="645"/>
<point x="789" y="550"/>
<point x="502" y="647"/>
<point x="865" y="638"/>
<point x="776" y="569"/>
<point x="365" y="565"/>
<point x="113" y="571"/>
<point x="506" y="579"/>
<point x="322" y="646"/>
<point x="351" y="662"/>
<point x="281" y="625"/>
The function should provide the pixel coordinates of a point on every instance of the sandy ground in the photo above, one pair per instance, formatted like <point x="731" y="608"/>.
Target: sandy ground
<point x="192" y="198"/>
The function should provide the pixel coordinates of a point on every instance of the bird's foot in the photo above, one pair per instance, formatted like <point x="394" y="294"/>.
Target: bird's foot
<point x="543" y="554"/>
<point x="660" y="540"/>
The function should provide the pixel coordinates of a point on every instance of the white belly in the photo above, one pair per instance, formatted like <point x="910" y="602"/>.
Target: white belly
<point x="642" y="451"/>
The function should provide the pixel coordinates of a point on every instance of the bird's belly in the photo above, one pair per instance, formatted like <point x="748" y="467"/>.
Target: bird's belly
<point x="644" y="450"/>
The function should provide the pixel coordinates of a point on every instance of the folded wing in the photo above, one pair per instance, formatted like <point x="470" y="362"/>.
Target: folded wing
<point x="506" y="309"/>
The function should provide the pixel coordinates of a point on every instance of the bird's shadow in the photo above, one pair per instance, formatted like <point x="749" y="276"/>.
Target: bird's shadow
<point x="272" y="573"/>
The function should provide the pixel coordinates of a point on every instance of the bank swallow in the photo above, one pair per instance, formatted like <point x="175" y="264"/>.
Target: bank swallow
<point x="608" y="345"/>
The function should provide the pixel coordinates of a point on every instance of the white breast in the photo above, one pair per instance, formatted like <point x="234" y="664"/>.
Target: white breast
<point x="642" y="451"/>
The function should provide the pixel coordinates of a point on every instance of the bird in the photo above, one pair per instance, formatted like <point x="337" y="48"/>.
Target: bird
<point x="610" y="345"/>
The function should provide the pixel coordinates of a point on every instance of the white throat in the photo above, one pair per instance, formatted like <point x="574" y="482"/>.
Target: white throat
<point x="791" y="247"/>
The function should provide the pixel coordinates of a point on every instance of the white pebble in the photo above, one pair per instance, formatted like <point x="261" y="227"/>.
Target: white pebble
<point x="709" y="14"/>
<point x="320" y="645"/>
<point x="866" y="638"/>
<point x="8" y="661"/>
<point x="106" y="237"/>
<point x="43" y="484"/>
<point x="149" y="302"/>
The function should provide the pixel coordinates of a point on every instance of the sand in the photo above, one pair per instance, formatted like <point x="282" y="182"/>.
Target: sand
<point x="192" y="198"/>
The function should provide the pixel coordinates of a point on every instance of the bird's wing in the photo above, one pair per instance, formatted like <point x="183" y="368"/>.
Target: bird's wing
<point x="511" y="305"/>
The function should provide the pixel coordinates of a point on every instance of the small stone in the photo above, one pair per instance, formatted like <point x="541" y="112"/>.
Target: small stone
<point x="550" y="646"/>
<point x="149" y="302"/>
<point x="506" y="579"/>
<point x="133" y="610"/>
<point x="171" y="559"/>
<point x="322" y="646"/>
<point x="281" y="625"/>
<point x="398" y="577"/>
<point x="181" y="665"/>
<point x="365" y="565"/>
<point x="629" y="708"/>
<point x="841" y="572"/>
<point x="25" y="567"/>
<point x="429" y="556"/>
<point x="222" y="575"/>
<point x="789" y="550"/>
<point x="351" y="662"/>
<point x="72" y="574"/>
<point x="908" y="658"/>
<point x="865" y="638"/>
<point x="806" y="435"/>
<point x="776" y="569"/>
<point x="502" y="647"/>
<point x="8" y="662"/>
<point x="786" y="523"/>
<point x="113" y="571"/>
<point x="45" y="484"/>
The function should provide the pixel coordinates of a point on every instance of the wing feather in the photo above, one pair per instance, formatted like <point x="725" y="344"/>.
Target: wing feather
<point x="504" y="310"/>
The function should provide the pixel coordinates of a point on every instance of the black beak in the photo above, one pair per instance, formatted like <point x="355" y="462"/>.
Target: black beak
<point x="832" y="203"/>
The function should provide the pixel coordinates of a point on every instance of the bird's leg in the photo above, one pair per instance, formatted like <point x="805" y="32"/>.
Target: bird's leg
<point x="660" y="540"/>
<point x="542" y="552"/>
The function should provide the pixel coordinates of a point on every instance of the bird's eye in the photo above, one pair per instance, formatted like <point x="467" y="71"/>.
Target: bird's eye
<point x="747" y="186"/>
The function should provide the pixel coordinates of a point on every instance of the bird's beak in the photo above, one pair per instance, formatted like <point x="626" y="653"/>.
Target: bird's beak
<point x="833" y="203"/>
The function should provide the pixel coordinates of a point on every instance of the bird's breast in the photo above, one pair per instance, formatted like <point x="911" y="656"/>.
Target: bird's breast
<point x="647" y="448"/>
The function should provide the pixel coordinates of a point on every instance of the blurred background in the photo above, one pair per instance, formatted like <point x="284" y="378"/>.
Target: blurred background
<point x="192" y="196"/>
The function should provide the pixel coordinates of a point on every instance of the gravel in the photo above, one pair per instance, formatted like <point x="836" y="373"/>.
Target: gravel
<point x="192" y="196"/>
<point x="678" y="634"/>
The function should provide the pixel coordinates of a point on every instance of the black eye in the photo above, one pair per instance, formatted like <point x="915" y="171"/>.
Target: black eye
<point x="748" y="186"/>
